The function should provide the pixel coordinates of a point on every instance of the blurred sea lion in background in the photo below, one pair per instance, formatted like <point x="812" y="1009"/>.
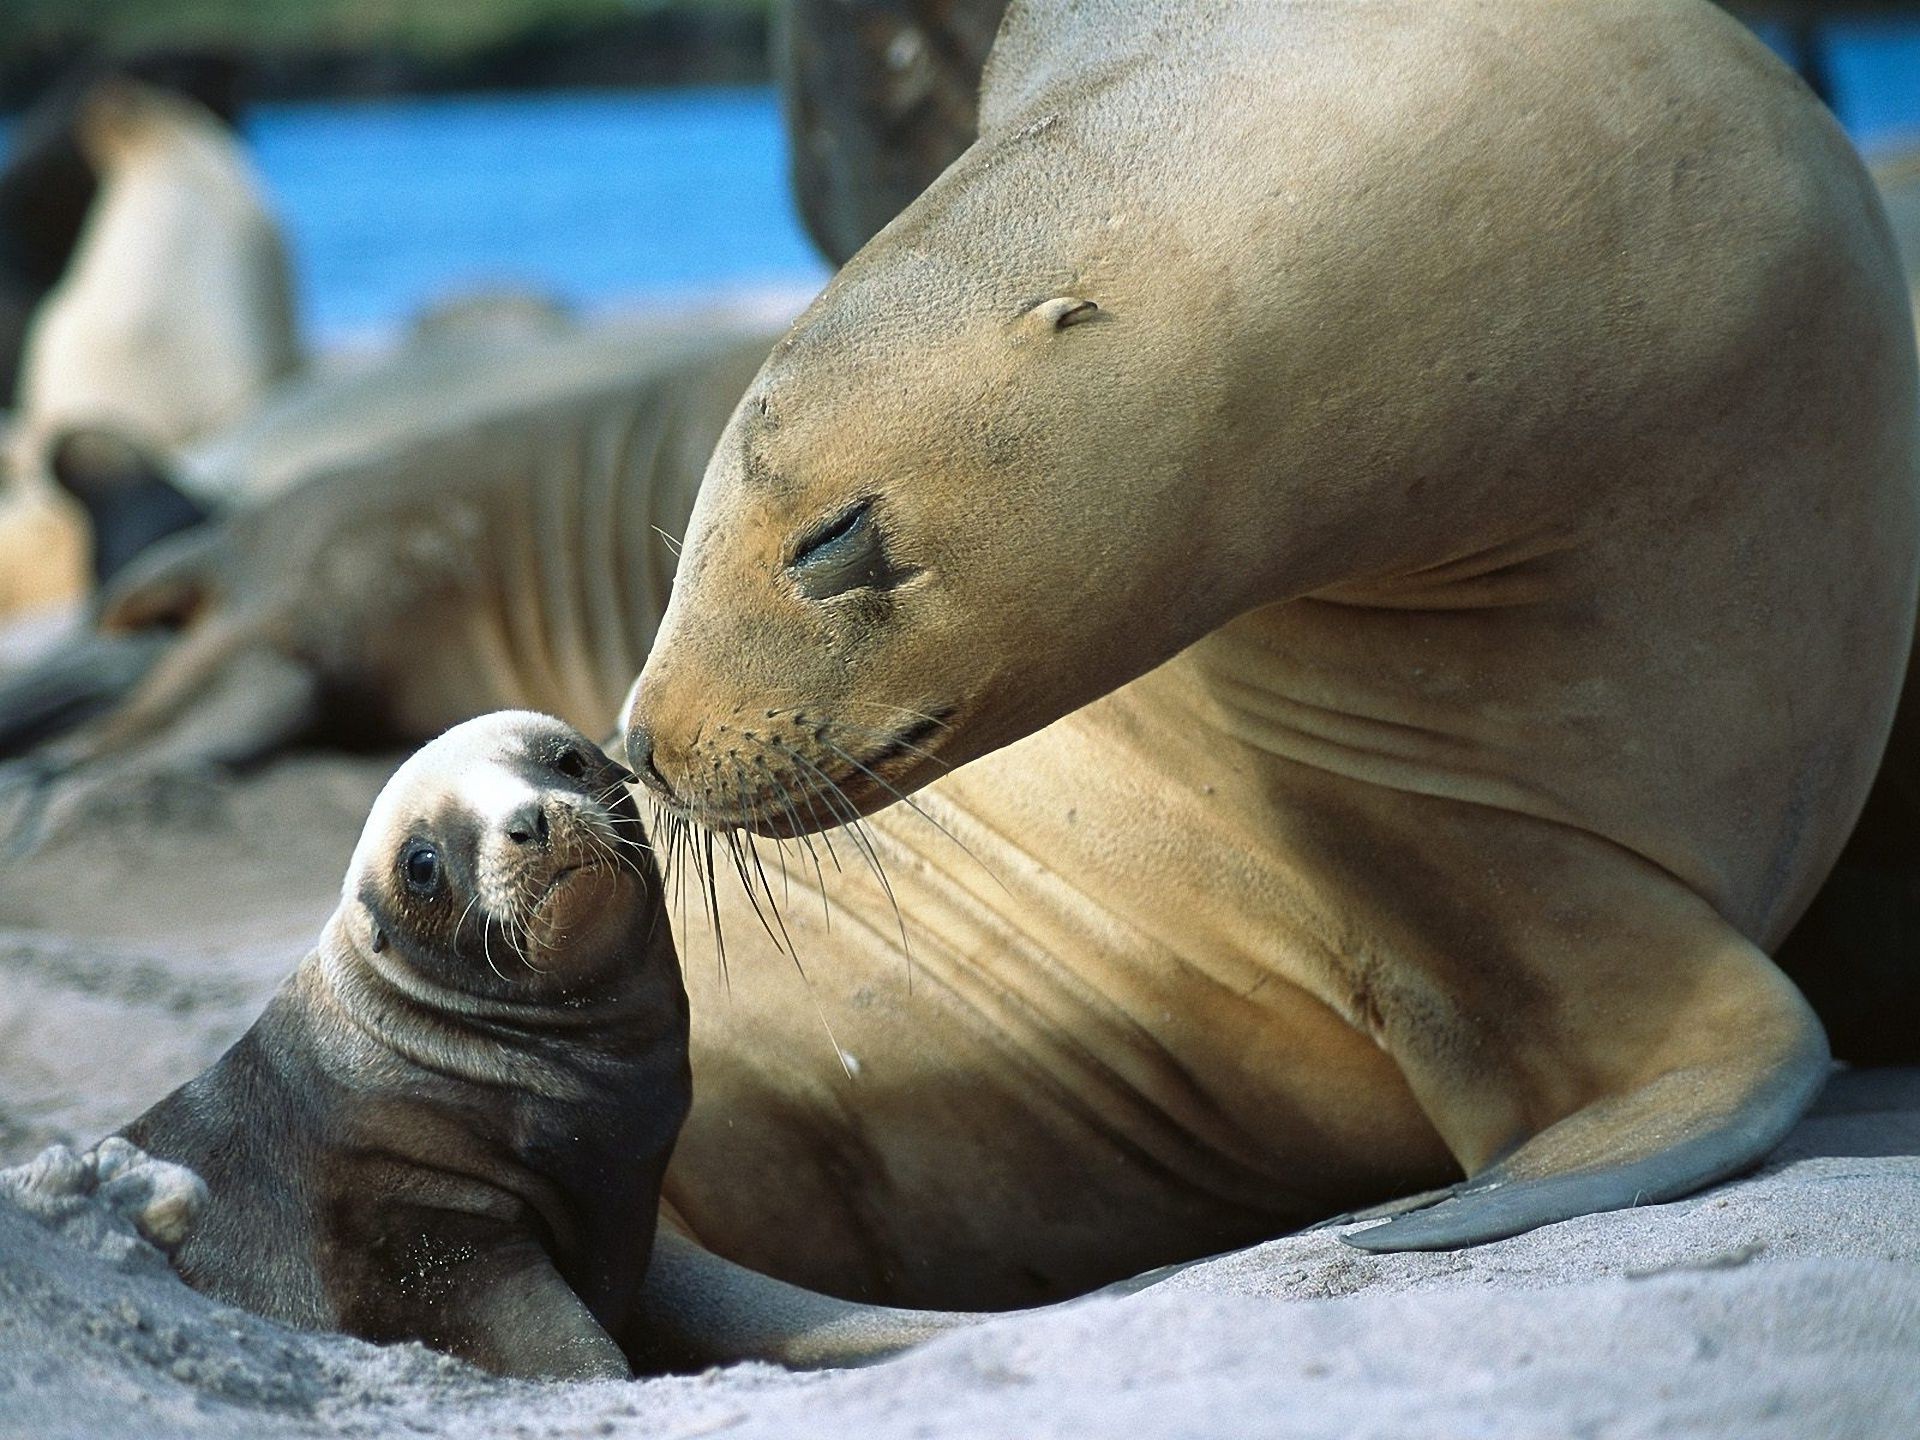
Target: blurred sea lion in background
<point x="48" y="184"/>
<point x="176" y="311"/>
<point x="399" y="435"/>
<point x="460" y="364"/>
<point x="407" y="577"/>
<point x="172" y="318"/>
<point x="880" y="97"/>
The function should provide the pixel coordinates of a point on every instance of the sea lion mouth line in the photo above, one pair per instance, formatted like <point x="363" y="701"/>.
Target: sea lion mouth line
<point x="820" y="787"/>
<point x="559" y="878"/>
<point x="909" y="741"/>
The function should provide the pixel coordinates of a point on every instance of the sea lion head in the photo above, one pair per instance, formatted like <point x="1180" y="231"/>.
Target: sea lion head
<point x="955" y="504"/>
<point x="504" y="862"/>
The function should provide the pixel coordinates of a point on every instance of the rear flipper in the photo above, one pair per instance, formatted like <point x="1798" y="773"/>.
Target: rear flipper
<point x="519" y="1318"/>
<point x="501" y="1306"/>
<point x="181" y="675"/>
<point x="195" y="710"/>
<point x="1715" y="1114"/>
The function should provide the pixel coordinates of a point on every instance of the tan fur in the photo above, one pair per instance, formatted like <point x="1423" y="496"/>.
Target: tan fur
<point x="1485" y="499"/>
<point x="43" y="533"/>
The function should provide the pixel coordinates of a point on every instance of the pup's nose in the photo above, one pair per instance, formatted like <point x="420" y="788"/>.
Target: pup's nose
<point x="528" y="824"/>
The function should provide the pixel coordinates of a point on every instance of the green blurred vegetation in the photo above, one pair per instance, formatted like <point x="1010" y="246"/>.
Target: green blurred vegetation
<point x="437" y="28"/>
<point x="305" y="49"/>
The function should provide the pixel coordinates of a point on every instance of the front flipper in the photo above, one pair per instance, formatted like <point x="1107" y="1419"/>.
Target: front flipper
<point x="502" y="1307"/>
<point x="1686" y="1128"/>
<point x="697" y="1309"/>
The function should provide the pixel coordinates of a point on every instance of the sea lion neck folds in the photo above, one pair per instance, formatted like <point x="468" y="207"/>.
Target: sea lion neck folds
<point x="452" y="1123"/>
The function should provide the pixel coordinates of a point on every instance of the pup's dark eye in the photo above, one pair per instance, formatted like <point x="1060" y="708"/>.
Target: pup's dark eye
<point x="844" y="552"/>
<point x="571" y="763"/>
<point x="421" y="866"/>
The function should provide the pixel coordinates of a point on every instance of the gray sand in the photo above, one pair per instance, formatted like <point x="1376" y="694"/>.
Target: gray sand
<point x="150" y="930"/>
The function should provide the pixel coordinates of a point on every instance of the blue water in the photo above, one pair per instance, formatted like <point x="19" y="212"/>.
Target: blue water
<point x="597" y="198"/>
<point x="604" y="198"/>
<point x="1875" y="68"/>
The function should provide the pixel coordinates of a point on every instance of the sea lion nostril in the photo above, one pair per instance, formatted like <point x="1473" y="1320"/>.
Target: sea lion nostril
<point x="528" y="824"/>
<point x="640" y="758"/>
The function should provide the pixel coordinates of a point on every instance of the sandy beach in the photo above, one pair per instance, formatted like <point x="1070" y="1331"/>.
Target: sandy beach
<point x="150" y="928"/>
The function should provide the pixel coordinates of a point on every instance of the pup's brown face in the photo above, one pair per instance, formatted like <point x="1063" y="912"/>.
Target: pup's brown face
<point x="506" y="861"/>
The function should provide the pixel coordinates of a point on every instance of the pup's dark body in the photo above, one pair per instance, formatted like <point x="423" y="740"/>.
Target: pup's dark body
<point x="482" y="1179"/>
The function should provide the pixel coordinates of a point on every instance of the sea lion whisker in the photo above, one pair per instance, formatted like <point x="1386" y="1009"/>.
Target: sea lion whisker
<point x="607" y="842"/>
<point x="668" y="823"/>
<point x="920" y="810"/>
<point x="800" y="833"/>
<point x="738" y="841"/>
<point x="940" y="721"/>
<point x="743" y="787"/>
<point x="609" y="839"/>
<point x="687" y="862"/>
<point x="856" y="830"/>
<point x="711" y="887"/>
<point x="820" y="826"/>
<point x="736" y="853"/>
<point x="752" y="855"/>
<point x="894" y="741"/>
<point x="486" y="945"/>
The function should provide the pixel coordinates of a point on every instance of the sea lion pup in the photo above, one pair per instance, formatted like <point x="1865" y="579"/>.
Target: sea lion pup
<point x="451" y="1123"/>
<point x="1472" y="448"/>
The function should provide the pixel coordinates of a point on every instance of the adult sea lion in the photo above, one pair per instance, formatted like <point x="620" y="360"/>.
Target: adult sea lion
<point x="176" y="310"/>
<point x="1471" y="447"/>
<point x="48" y="184"/>
<point x="451" y="1123"/>
<point x="1473" y="848"/>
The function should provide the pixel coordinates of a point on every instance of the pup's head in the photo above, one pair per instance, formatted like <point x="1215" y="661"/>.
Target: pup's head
<point x="505" y="861"/>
